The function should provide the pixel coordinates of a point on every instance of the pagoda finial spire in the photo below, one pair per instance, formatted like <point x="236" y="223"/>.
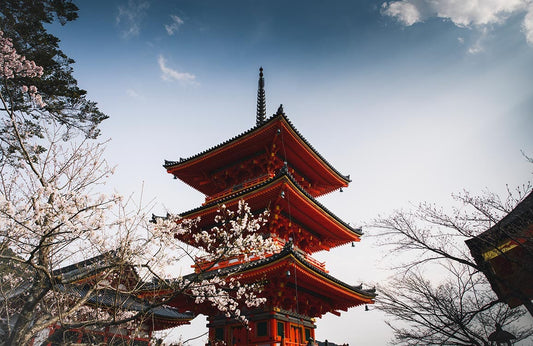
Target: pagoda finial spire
<point x="261" y="104"/>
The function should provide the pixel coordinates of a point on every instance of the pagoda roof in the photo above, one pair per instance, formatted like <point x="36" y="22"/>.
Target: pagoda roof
<point x="503" y="253"/>
<point x="303" y="210"/>
<point x="311" y="280"/>
<point x="297" y="151"/>
<point x="512" y="225"/>
<point x="289" y="251"/>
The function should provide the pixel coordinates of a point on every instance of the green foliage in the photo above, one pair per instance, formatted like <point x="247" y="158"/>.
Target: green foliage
<point x="23" y="21"/>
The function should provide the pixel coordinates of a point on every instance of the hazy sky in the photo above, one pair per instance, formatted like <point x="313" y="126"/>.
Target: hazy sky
<point x="413" y="99"/>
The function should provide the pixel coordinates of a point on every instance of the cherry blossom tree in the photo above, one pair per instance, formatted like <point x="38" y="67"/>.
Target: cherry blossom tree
<point x="53" y="214"/>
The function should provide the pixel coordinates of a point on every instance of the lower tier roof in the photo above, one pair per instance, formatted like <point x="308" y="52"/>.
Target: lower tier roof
<point x="289" y="283"/>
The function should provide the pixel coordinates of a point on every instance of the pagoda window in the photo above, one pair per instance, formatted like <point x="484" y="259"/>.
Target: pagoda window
<point x="307" y="334"/>
<point x="219" y="333"/>
<point x="262" y="328"/>
<point x="281" y="329"/>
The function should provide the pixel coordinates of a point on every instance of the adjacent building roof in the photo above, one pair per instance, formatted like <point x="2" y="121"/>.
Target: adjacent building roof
<point x="86" y="268"/>
<point x="512" y="225"/>
<point x="505" y="254"/>
<point x="162" y="316"/>
<point x="111" y="298"/>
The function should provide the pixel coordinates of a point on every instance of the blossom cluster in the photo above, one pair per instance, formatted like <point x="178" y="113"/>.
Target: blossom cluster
<point x="14" y="65"/>
<point x="236" y="234"/>
<point x="50" y="213"/>
<point x="227" y="295"/>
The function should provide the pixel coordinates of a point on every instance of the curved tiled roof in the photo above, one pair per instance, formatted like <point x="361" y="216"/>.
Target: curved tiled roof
<point x="168" y="164"/>
<point x="288" y="250"/>
<point x="88" y="267"/>
<point x="282" y="173"/>
<point x="113" y="299"/>
<point x="510" y="226"/>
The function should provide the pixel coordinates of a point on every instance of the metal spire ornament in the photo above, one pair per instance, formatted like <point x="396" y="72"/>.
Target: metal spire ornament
<point x="261" y="104"/>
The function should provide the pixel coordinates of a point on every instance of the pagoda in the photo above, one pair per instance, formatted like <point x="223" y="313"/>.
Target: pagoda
<point x="273" y="167"/>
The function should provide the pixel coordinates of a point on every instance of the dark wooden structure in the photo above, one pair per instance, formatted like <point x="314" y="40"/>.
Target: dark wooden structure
<point x="505" y="254"/>
<point x="115" y="293"/>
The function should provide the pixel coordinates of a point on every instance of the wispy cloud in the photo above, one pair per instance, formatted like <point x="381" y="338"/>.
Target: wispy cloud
<point x="133" y="93"/>
<point x="527" y="25"/>
<point x="478" y="46"/>
<point x="174" y="25"/>
<point x="130" y="16"/>
<point x="170" y="74"/>
<point x="464" y="13"/>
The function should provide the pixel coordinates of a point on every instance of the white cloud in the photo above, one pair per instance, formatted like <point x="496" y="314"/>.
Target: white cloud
<point x="175" y="25"/>
<point x="463" y="13"/>
<point x="130" y="16"/>
<point x="404" y="11"/>
<point x="171" y="74"/>
<point x="475" y="12"/>
<point x="527" y="25"/>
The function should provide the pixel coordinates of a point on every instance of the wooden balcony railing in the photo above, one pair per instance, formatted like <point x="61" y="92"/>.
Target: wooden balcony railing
<point x="202" y="265"/>
<point x="238" y="188"/>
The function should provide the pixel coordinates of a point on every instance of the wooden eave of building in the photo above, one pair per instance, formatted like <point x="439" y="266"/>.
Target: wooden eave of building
<point x="296" y="151"/>
<point x="90" y="270"/>
<point x="505" y="253"/>
<point x="283" y="197"/>
<point x="81" y="277"/>
<point x="317" y="291"/>
<point x="513" y="226"/>
<point x="308" y="281"/>
<point x="159" y="317"/>
<point x="262" y="315"/>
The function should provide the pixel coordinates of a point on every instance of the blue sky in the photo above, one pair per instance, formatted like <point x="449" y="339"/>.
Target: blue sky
<point x="414" y="99"/>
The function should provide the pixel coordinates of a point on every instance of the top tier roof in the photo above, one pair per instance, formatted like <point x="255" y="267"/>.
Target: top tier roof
<point x="277" y="131"/>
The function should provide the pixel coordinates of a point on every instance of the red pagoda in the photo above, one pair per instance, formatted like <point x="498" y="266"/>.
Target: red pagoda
<point x="273" y="167"/>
